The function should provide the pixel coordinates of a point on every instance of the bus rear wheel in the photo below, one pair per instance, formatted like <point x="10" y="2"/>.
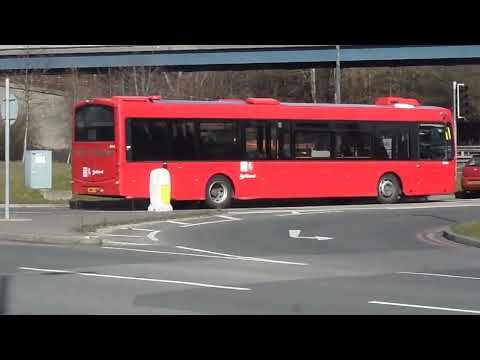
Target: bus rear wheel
<point x="389" y="190"/>
<point x="219" y="193"/>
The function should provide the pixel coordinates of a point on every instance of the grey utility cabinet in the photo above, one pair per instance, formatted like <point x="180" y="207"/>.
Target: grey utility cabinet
<point x="38" y="169"/>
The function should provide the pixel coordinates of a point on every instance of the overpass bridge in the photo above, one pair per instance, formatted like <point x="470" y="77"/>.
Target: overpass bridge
<point x="190" y="57"/>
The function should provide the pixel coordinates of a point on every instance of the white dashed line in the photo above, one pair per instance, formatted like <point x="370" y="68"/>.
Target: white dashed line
<point x="138" y="279"/>
<point x="425" y="307"/>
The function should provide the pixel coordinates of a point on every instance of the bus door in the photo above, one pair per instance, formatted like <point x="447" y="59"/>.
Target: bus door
<point x="435" y="158"/>
<point x="94" y="155"/>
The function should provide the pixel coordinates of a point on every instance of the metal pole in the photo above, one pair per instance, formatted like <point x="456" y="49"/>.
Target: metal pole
<point x="7" y="149"/>
<point x="455" y="125"/>
<point x="338" y="78"/>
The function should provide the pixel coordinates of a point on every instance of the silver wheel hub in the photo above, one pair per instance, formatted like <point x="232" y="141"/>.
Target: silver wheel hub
<point x="387" y="188"/>
<point x="218" y="192"/>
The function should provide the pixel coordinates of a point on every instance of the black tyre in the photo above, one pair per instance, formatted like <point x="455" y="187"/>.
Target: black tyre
<point x="389" y="190"/>
<point x="219" y="193"/>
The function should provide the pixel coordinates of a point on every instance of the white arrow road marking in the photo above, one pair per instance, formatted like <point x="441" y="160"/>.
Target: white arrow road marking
<point x="136" y="278"/>
<point x="152" y="235"/>
<point x="295" y="234"/>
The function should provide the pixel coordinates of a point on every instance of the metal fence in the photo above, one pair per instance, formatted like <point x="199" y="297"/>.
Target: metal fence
<point x="464" y="154"/>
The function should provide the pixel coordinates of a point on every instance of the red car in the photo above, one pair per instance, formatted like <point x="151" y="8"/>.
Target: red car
<point x="471" y="175"/>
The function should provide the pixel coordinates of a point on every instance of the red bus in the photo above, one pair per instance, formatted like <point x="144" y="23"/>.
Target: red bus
<point x="221" y="150"/>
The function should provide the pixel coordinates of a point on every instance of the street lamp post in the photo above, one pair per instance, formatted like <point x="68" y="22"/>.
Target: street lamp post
<point x="338" y="78"/>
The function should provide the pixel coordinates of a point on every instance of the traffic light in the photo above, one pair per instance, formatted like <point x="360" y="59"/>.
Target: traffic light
<point x="465" y="105"/>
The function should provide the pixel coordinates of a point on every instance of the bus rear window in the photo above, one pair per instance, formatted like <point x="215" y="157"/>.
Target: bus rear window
<point x="94" y="123"/>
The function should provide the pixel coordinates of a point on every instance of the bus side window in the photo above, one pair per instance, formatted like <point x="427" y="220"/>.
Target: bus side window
<point x="255" y="140"/>
<point x="284" y="141"/>
<point x="183" y="140"/>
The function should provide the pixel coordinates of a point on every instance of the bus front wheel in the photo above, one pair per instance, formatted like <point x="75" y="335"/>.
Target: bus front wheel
<point x="219" y="192"/>
<point x="389" y="189"/>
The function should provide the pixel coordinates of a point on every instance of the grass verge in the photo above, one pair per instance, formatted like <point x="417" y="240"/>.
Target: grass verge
<point x="20" y="194"/>
<point x="470" y="229"/>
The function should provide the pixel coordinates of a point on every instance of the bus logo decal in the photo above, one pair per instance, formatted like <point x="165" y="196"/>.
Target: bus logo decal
<point x="87" y="172"/>
<point x="247" y="176"/>
<point x="246" y="167"/>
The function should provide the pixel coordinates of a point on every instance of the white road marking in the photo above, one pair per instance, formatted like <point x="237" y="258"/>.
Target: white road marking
<point x="152" y="236"/>
<point x="124" y="236"/>
<point x="228" y="217"/>
<point x="308" y="212"/>
<point x="31" y="212"/>
<point x="425" y="307"/>
<point x="255" y="212"/>
<point x="238" y="257"/>
<point x="207" y="252"/>
<point x="224" y="257"/>
<point x="177" y="222"/>
<point x="206" y="223"/>
<point x="165" y="252"/>
<point x="138" y="279"/>
<point x="295" y="234"/>
<point x="435" y="206"/>
<point x="125" y="243"/>
<point x="14" y="220"/>
<point x="439" y="275"/>
<point x="136" y="229"/>
<point x="342" y="208"/>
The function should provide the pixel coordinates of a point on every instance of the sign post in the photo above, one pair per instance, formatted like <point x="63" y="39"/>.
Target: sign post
<point x="9" y="112"/>
<point x="7" y="148"/>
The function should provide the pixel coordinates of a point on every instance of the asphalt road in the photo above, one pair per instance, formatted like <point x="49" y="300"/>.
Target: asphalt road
<point x="355" y="259"/>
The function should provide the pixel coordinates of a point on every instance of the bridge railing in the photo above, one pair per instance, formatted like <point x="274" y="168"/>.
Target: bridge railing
<point x="464" y="154"/>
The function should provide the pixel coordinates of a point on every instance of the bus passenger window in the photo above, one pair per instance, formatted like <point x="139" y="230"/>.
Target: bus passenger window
<point x="312" y="145"/>
<point x="353" y="145"/>
<point x="148" y="140"/>
<point x="284" y="141"/>
<point x="219" y="140"/>
<point x="183" y="140"/>
<point x="392" y="142"/>
<point x="255" y="140"/>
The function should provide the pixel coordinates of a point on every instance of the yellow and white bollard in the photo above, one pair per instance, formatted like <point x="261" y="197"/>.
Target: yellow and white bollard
<point x="160" y="191"/>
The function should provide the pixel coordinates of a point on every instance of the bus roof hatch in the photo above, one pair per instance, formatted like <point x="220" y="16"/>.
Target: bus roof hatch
<point x="394" y="100"/>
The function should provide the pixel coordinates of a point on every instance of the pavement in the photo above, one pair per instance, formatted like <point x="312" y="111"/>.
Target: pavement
<point x="58" y="224"/>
